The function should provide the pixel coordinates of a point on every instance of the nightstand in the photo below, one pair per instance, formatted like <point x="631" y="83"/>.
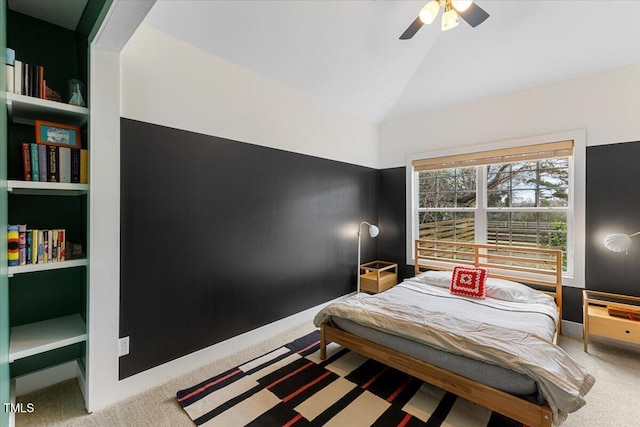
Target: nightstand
<point x="378" y="276"/>
<point x="598" y="320"/>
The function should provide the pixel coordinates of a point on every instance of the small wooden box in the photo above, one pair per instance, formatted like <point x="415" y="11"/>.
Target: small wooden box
<point x="378" y="276"/>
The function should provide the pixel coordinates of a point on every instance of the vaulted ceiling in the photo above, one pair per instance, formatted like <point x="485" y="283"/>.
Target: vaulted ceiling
<point x="348" y="55"/>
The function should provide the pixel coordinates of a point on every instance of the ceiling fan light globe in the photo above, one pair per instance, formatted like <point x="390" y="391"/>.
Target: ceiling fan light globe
<point x="449" y="19"/>
<point x="461" y="5"/>
<point x="429" y="12"/>
<point x="617" y="242"/>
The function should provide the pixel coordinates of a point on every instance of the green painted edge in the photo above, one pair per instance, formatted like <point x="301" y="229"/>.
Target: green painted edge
<point x="5" y="383"/>
<point x="99" y="19"/>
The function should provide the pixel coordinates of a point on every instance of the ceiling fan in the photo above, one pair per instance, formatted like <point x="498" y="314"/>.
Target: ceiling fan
<point x="468" y="10"/>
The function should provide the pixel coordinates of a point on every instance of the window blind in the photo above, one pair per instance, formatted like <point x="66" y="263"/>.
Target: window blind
<point x="505" y="155"/>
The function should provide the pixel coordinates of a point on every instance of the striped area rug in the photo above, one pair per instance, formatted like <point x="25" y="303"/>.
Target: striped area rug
<point x="291" y="386"/>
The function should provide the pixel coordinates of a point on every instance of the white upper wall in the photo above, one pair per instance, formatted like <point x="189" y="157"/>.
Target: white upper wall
<point x="606" y="104"/>
<point x="170" y="83"/>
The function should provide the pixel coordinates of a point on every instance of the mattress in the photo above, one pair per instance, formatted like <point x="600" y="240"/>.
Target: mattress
<point x="500" y="378"/>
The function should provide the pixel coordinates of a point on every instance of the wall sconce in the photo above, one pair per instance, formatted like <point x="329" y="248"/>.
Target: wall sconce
<point x="373" y="232"/>
<point x="619" y="242"/>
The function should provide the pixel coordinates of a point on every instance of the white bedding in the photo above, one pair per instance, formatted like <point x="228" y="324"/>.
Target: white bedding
<point x="514" y="335"/>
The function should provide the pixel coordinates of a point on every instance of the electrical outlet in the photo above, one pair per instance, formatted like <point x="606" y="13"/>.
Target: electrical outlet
<point x="123" y="346"/>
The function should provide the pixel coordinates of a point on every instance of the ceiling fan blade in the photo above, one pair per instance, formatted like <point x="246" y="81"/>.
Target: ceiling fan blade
<point x="474" y="15"/>
<point x="412" y="30"/>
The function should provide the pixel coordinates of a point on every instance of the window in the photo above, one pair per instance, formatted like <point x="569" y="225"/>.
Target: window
<point x="518" y="196"/>
<point x="446" y="204"/>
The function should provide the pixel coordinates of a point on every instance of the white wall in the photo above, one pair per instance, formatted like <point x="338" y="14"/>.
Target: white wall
<point x="147" y="81"/>
<point x="596" y="109"/>
<point x="168" y="82"/>
<point x="606" y="104"/>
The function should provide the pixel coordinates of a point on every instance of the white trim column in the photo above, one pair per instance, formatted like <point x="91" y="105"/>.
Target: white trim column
<point x="104" y="230"/>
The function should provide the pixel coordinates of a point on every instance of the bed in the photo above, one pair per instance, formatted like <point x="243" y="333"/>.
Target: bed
<point x="434" y="348"/>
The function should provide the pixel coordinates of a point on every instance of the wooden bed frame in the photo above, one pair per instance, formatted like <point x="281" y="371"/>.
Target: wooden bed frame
<point x="541" y="268"/>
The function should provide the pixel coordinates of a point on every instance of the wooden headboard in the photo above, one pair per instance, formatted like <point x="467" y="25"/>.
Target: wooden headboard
<point x="540" y="268"/>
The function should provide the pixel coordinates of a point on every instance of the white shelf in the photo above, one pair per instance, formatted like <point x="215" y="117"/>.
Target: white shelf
<point x="32" y="268"/>
<point x="26" y="109"/>
<point x="35" y="338"/>
<point x="38" y="188"/>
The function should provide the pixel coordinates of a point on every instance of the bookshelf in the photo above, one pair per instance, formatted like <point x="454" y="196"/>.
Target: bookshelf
<point x="32" y="268"/>
<point x="40" y="337"/>
<point x="36" y="188"/>
<point x="47" y="303"/>
<point x="26" y="109"/>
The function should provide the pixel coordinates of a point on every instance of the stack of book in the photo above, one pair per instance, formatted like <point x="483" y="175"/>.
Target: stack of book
<point x="30" y="246"/>
<point x="23" y="78"/>
<point x="51" y="163"/>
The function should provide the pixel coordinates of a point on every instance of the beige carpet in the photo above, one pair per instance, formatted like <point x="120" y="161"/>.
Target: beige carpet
<point x="613" y="401"/>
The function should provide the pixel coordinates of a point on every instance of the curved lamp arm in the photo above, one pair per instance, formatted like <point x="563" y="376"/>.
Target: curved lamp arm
<point x="373" y="232"/>
<point x="619" y="242"/>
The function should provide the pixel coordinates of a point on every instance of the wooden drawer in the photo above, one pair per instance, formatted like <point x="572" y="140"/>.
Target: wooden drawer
<point x="369" y="281"/>
<point x="600" y="323"/>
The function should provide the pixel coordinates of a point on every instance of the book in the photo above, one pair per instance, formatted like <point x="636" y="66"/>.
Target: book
<point x="40" y="258"/>
<point x="29" y="244"/>
<point x="46" y="246"/>
<point x="34" y="246"/>
<point x="49" y="245"/>
<point x="54" y="246"/>
<point x="53" y="175"/>
<point x="22" y="244"/>
<point x="10" y="78"/>
<point x="42" y="162"/>
<point x="26" y="161"/>
<point x="17" y="77"/>
<point x="39" y="79"/>
<point x="65" y="164"/>
<point x="75" y="165"/>
<point x="12" y="245"/>
<point x="84" y="167"/>
<point x="10" y="58"/>
<point x="632" y="313"/>
<point x="25" y="80"/>
<point x="35" y="174"/>
<point x="62" y="245"/>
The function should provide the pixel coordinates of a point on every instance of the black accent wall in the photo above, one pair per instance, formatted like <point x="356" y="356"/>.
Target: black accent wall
<point x="219" y="237"/>
<point x="613" y="206"/>
<point x="392" y="214"/>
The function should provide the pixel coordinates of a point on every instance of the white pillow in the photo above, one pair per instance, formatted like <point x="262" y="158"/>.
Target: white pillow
<point x="513" y="291"/>
<point x="441" y="279"/>
<point x="495" y="288"/>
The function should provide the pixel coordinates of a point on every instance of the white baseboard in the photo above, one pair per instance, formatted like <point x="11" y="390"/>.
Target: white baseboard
<point x="160" y="374"/>
<point x="573" y="329"/>
<point x="82" y="380"/>
<point x="46" y="377"/>
<point x="12" y="400"/>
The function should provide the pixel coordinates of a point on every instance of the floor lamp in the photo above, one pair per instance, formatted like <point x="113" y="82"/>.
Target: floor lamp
<point x="373" y="232"/>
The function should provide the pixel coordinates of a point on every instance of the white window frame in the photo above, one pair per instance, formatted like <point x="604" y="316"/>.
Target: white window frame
<point x="574" y="277"/>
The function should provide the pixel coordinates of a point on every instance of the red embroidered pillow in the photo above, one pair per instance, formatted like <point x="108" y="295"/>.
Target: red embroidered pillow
<point x="468" y="281"/>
